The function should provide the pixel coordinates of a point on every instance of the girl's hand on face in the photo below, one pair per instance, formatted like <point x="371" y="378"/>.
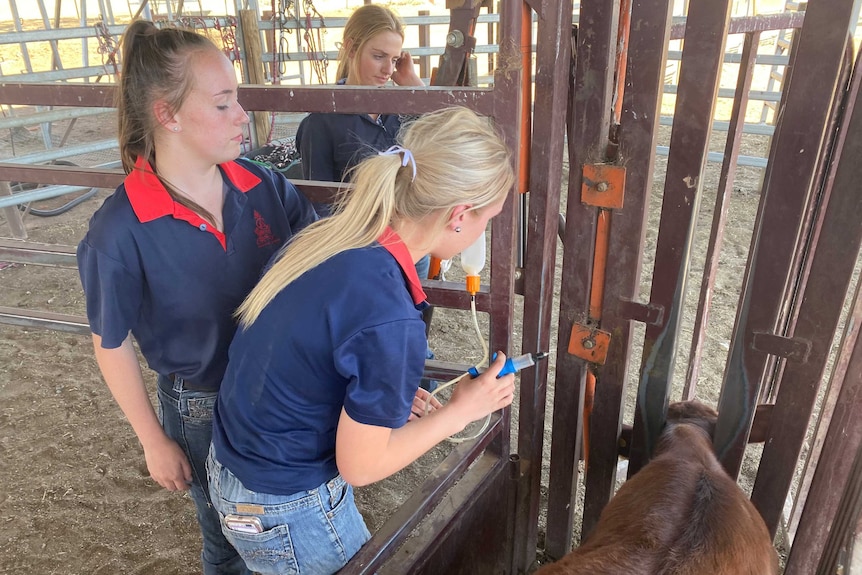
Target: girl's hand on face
<point x="474" y="398"/>
<point x="405" y="72"/>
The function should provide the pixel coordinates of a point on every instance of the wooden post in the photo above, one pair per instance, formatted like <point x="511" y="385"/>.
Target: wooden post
<point x="254" y="65"/>
<point x="13" y="216"/>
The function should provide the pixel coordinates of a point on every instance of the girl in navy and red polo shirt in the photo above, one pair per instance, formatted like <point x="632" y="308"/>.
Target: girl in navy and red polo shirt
<point x="330" y="145"/>
<point x="319" y="391"/>
<point x="370" y="55"/>
<point x="172" y="253"/>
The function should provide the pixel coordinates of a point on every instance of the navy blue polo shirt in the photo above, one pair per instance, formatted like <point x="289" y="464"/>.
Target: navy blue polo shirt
<point x="330" y="144"/>
<point x="152" y="267"/>
<point x="347" y="333"/>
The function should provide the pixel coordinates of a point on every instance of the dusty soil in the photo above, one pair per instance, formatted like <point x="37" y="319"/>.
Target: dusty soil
<point x="77" y="498"/>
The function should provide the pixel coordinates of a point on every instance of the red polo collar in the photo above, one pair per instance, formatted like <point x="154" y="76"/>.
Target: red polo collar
<point x="395" y="246"/>
<point x="150" y="200"/>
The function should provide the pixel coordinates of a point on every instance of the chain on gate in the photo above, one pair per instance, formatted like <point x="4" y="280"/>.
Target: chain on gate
<point x="314" y="41"/>
<point x="228" y="39"/>
<point x="281" y="49"/>
<point x="108" y="46"/>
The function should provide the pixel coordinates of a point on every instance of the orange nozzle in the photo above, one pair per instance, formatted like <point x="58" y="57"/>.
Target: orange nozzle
<point x="473" y="283"/>
<point x="434" y="269"/>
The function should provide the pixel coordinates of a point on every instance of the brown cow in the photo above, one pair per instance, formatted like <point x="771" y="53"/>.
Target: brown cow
<point x="681" y="514"/>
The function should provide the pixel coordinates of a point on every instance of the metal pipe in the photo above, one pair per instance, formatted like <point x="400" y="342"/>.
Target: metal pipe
<point x="51" y="116"/>
<point x="57" y="153"/>
<point x="39" y="194"/>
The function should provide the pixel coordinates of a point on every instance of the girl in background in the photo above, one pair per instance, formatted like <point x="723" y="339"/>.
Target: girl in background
<point x="175" y="249"/>
<point x="370" y="55"/>
<point x="331" y="144"/>
<point x="321" y="390"/>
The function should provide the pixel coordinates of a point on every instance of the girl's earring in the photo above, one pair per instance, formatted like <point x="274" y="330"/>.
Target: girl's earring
<point x="458" y="230"/>
<point x="176" y="128"/>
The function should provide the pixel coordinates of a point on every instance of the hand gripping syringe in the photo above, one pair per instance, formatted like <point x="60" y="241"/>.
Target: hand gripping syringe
<point x="513" y="364"/>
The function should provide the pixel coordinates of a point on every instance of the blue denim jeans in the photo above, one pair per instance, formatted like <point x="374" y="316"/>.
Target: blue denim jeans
<point x="313" y="532"/>
<point x="187" y="417"/>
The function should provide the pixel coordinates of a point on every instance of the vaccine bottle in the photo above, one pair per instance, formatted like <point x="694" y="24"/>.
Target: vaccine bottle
<point x="472" y="262"/>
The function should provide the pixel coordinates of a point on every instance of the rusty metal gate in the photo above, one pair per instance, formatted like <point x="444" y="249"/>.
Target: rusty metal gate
<point x="597" y="92"/>
<point x="803" y="253"/>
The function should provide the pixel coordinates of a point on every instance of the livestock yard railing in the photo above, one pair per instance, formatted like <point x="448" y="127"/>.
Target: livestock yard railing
<point x="598" y="94"/>
<point x="794" y="285"/>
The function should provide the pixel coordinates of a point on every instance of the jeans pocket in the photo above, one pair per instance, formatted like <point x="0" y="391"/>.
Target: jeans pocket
<point x="346" y="521"/>
<point x="337" y="496"/>
<point x="198" y="409"/>
<point x="268" y="552"/>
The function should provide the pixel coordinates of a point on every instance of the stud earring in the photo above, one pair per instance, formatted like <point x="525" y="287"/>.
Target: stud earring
<point x="458" y="230"/>
<point x="176" y="128"/>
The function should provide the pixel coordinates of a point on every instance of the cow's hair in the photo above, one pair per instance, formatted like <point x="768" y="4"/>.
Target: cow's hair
<point x="681" y="514"/>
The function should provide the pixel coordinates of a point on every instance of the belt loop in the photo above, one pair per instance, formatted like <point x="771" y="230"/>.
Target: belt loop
<point x="335" y="487"/>
<point x="177" y="381"/>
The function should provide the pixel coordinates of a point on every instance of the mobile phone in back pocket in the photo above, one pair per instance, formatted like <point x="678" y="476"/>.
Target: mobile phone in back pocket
<point x="243" y="523"/>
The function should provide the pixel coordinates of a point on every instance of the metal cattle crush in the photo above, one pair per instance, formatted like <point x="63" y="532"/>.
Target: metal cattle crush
<point x="597" y="97"/>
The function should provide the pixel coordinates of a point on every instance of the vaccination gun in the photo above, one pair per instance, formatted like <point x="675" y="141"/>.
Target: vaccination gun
<point x="513" y="364"/>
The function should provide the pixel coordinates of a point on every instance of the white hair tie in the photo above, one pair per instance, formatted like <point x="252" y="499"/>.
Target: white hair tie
<point x="407" y="156"/>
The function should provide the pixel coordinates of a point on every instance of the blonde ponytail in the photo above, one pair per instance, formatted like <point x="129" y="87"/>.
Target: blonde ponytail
<point x="459" y="159"/>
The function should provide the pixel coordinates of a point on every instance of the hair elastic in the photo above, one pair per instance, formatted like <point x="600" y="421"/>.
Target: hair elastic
<point x="406" y="157"/>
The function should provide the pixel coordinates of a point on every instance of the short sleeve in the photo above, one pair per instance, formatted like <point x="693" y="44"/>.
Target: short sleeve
<point x="300" y="212"/>
<point x="316" y="149"/>
<point x="113" y="295"/>
<point x="383" y="365"/>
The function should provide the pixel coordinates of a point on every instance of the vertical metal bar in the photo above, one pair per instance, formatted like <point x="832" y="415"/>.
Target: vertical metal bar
<point x="844" y="532"/>
<point x="13" y="216"/>
<point x="623" y="32"/>
<point x="650" y="30"/>
<point x="85" y="42"/>
<point x="553" y="53"/>
<point x="424" y="42"/>
<point x="700" y="68"/>
<point x="16" y="18"/>
<point x="526" y="127"/>
<point x="787" y="190"/>
<point x="798" y="267"/>
<point x="843" y="438"/>
<point x="719" y="215"/>
<point x="507" y="109"/>
<point x="591" y="99"/>
<point x="109" y="11"/>
<point x="57" y="62"/>
<point x="827" y="405"/>
<point x="835" y="248"/>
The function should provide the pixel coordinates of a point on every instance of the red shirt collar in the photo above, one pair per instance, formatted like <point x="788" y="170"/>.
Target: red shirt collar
<point x="150" y="200"/>
<point x="392" y="242"/>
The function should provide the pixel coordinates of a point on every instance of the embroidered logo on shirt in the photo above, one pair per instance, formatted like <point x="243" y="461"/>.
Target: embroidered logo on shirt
<point x="263" y="233"/>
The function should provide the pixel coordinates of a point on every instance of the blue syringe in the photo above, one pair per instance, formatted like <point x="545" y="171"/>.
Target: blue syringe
<point x="513" y="364"/>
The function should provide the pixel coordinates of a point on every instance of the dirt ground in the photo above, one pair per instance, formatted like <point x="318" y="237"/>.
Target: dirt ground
<point x="76" y="496"/>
